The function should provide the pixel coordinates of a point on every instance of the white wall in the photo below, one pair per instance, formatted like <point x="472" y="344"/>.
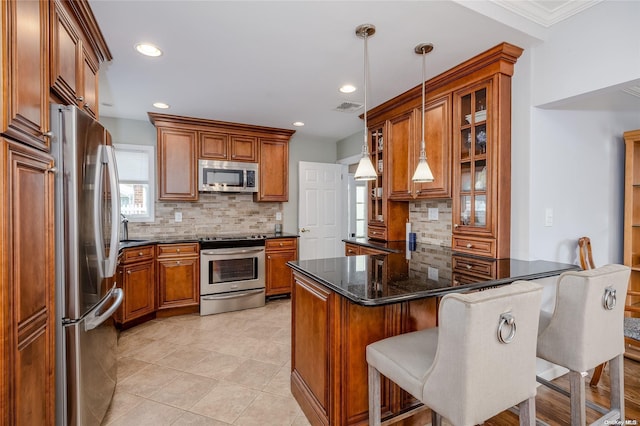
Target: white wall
<point x="572" y="160"/>
<point x="598" y="48"/>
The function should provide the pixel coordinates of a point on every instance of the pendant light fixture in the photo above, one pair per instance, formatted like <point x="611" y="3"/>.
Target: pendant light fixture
<point x="365" y="170"/>
<point x="423" y="171"/>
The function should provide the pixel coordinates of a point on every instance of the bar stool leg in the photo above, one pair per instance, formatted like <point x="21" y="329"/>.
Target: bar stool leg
<point x="374" y="397"/>
<point x="527" y="412"/>
<point x="616" y="372"/>
<point x="578" y="402"/>
<point x="436" y="419"/>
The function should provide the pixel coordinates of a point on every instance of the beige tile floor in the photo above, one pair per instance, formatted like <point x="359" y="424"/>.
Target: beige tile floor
<point x="225" y="369"/>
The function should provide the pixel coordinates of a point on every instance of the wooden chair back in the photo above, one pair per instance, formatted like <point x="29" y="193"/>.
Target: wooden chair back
<point x="586" y="257"/>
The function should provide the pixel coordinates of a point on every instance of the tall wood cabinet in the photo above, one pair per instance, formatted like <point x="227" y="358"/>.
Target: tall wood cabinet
<point x="632" y="219"/>
<point x="218" y="140"/>
<point x="29" y="49"/>
<point x="27" y="285"/>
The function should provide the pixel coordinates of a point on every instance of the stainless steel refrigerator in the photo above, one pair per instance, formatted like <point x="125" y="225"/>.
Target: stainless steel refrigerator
<point x="87" y="206"/>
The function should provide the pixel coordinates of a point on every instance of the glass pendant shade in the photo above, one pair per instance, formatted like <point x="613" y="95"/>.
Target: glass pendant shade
<point x="423" y="171"/>
<point x="365" y="170"/>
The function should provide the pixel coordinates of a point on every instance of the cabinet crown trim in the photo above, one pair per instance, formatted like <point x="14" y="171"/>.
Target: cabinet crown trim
<point x="168" y="120"/>
<point x="504" y="52"/>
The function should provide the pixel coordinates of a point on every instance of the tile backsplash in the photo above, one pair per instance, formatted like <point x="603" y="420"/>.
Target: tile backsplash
<point x="427" y="231"/>
<point x="213" y="213"/>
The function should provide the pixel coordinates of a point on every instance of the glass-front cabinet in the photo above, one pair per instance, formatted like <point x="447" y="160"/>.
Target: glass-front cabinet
<point x="472" y="161"/>
<point x="482" y="168"/>
<point x="387" y="218"/>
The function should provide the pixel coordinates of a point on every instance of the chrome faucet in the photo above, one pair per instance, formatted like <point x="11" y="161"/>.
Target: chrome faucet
<point x="125" y="227"/>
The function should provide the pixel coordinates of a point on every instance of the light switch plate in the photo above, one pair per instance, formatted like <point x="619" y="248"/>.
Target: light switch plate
<point x="278" y="215"/>
<point x="548" y="217"/>
<point x="432" y="213"/>
<point x="178" y="217"/>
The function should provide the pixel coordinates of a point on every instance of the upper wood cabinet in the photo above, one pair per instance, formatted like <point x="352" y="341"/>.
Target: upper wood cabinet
<point x="273" y="171"/>
<point x="220" y="140"/>
<point x="25" y="76"/>
<point x="223" y="146"/>
<point x="75" y="55"/>
<point x="177" y="164"/>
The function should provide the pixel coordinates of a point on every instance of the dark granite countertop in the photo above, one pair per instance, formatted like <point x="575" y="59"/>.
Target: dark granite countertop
<point x="373" y="280"/>
<point x="137" y="242"/>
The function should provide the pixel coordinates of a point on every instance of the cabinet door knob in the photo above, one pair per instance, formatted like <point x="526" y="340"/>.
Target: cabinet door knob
<point x="48" y="134"/>
<point x="281" y="244"/>
<point x="455" y="225"/>
<point x="177" y="250"/>
<point x="469" y="266"/>
<point x="469" y="245"/>
<point x="128" y="272"/>
<point x="178" y="262"/>
<point x="268" y="257"/>
<point x="80" y="98"/>
<point x="140" y="253"/>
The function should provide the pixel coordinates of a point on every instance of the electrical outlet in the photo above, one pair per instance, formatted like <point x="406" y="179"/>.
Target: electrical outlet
<point x="432" y="213"/>
<point x="178" y="217"/>
<point x="278" y="215"/>
<point x="432" y="273"/>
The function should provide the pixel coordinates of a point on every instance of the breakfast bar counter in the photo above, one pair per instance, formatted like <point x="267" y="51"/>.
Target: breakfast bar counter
<point x="340" y="305"/>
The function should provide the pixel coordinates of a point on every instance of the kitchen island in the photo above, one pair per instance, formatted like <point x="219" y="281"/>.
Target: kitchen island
<point x="340" y="305"/>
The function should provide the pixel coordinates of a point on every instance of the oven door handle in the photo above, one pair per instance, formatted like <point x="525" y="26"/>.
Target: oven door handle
<point x="233" y="296"/>
<point x="218" y="252"/>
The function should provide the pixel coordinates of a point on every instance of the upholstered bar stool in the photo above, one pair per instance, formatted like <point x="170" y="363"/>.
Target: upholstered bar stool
<point x="478" y="362"/>
<point x="586" y="330"/>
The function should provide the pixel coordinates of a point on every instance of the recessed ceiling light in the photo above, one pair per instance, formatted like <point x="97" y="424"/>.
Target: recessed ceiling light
<point x="161" y="105"/>
<point x="347" y="88"/>
<point x="298" y="123"/>
<point x="148" y="49"/>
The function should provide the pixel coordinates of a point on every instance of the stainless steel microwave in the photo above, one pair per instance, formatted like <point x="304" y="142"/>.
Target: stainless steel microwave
<point x="227" y="176"/>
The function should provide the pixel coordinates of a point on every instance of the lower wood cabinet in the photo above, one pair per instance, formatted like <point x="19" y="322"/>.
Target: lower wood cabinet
<point x="279" y="279"/>
<point x="178" y="275"/>
<point x="351" y="249"/>
<point x="27" y="286"/>
<point x="136" y="276"/>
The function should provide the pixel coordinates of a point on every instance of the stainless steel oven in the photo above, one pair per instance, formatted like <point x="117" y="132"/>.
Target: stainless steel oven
<point x="232" y="275"/>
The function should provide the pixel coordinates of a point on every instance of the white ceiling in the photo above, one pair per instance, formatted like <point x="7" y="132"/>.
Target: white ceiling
<point x="272" y="63"/>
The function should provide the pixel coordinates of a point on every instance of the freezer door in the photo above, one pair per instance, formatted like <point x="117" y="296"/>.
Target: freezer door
<point x="91" y="364"/>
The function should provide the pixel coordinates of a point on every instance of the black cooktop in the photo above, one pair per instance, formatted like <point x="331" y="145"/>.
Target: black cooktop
<point x="232" y="240"/>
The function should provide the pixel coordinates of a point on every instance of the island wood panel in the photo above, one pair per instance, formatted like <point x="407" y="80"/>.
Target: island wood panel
<point x="310" y="328"/>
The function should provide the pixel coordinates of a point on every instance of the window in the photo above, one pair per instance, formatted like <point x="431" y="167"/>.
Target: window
<point x="361" y="209"/>
<point x="136" y="177"/>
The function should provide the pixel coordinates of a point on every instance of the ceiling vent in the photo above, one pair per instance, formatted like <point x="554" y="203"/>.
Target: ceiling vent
<point x="347" y="106"/>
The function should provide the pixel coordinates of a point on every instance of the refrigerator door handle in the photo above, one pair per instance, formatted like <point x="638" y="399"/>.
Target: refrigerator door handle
<point x="96" y="317"/>
<point x="106" y="158"/>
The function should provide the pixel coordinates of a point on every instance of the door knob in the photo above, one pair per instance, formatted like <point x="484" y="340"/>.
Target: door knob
<point x="305" y="230"/>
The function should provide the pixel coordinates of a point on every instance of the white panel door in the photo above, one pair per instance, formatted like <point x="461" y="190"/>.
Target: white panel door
<point x="321" y="210"/>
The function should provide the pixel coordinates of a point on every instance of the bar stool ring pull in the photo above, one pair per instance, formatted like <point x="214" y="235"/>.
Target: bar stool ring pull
<point x="506" y="319"/>
<point x="609" y="298"/>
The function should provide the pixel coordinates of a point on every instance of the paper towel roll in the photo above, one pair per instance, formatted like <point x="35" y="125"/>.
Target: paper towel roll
<point x="406" y="237"/>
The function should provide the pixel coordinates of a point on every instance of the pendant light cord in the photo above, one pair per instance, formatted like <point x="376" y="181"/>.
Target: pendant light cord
<point x="366" y="77"/>
<point x="423" y="152"/>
